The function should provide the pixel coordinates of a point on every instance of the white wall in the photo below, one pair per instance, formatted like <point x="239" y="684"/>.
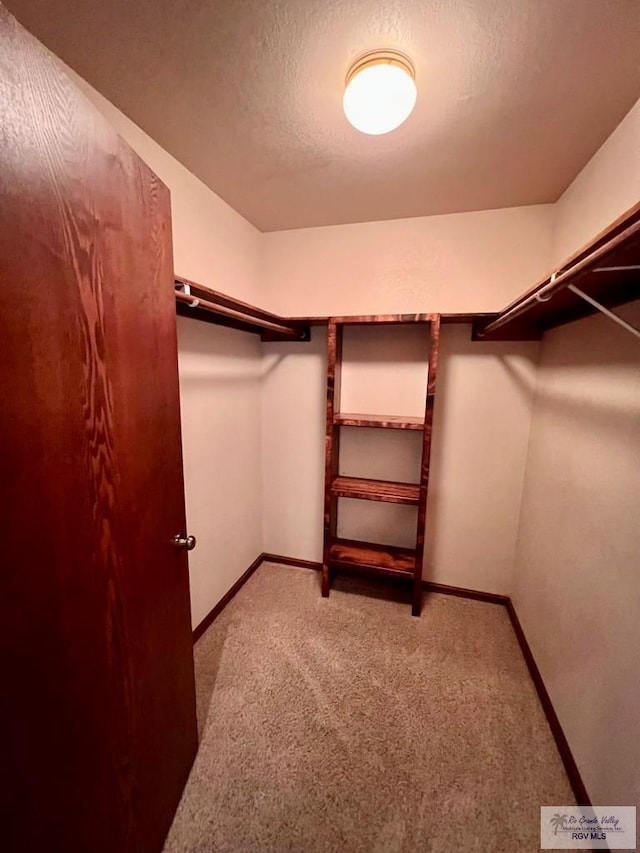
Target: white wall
<point x="459" y="262"/>
<point x="577" y="584"/>
<point x="219" y="375"/>
<point x="481" y="429"/>
<point x="465" y="262"/>
<point x="293" y="424"/>
<point x="607" y="186"/>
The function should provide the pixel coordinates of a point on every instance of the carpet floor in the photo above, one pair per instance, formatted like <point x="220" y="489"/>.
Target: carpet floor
<point x="345" y="724"/>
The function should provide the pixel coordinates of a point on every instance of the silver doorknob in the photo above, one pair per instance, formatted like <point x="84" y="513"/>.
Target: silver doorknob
<point x="187" y="542"/>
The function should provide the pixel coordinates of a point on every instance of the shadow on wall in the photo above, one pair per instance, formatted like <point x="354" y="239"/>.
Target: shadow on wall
<point x="293" y="435"/>
<point x="219" y="372"/>
<point x="484" y="399"/>
<point x="386" y="344"/>
<point x="208" y="352"/>
<point x="577" y="381"/>
<point x="576" y="584"/>
<point x="621" y="416"/>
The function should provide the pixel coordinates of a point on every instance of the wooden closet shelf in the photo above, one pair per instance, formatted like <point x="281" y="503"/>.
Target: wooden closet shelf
<point x="375" y="490"/>
<point x="381" y="559"/>
<point x="378" y="421"/>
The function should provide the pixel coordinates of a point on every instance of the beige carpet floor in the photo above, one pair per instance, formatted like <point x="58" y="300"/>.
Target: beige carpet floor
<point x="344" y="724"/>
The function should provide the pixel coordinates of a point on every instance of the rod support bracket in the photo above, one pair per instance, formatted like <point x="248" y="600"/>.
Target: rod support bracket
<point x="540" y="297"/>
<point x="186" y="288"/>
<point x="604" y="310"/>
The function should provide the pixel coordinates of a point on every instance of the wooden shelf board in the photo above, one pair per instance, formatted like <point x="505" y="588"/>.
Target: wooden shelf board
<point x="388" y="319"/>
<point x="611" y="289"/>
<point x="381" y="559"/>
<point x="445" y="319"/>
<point x="611" y="280"/>
<point x="376" y="490"/>
<point x="379" y="421"/>
<point x="238" y="315"/>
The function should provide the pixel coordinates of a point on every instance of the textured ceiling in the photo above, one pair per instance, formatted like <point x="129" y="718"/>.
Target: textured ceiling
<point x="514" y="96"/>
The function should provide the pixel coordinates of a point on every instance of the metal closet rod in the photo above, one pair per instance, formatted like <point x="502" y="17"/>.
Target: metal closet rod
<point x="558" y="281"/>
<point x="196" y="302"/>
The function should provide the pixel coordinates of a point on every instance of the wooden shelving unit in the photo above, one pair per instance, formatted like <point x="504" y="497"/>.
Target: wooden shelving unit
<point x="368" y="557"/>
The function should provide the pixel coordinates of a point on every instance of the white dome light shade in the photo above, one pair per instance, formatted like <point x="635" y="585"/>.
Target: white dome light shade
<point x="380" y="92"/>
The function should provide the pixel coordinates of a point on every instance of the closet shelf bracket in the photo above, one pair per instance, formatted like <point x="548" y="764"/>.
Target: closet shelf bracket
<point x="604" y="310"/>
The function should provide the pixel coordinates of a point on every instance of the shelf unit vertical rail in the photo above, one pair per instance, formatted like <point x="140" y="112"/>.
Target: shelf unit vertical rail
<point x="332" y="446"/>
<point x="434" y="328"/>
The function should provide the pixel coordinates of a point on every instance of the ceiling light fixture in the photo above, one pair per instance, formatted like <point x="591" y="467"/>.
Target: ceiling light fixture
<point x="380" y="91"/>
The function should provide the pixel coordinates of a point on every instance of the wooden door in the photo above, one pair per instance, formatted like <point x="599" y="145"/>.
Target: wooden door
<point x="98" y="708"/>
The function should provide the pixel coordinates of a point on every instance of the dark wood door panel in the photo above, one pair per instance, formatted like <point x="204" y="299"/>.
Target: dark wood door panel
<point x="96" y="637"/>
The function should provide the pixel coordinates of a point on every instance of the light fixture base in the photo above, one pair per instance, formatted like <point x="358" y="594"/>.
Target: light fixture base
<point x="381" y="57"/>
